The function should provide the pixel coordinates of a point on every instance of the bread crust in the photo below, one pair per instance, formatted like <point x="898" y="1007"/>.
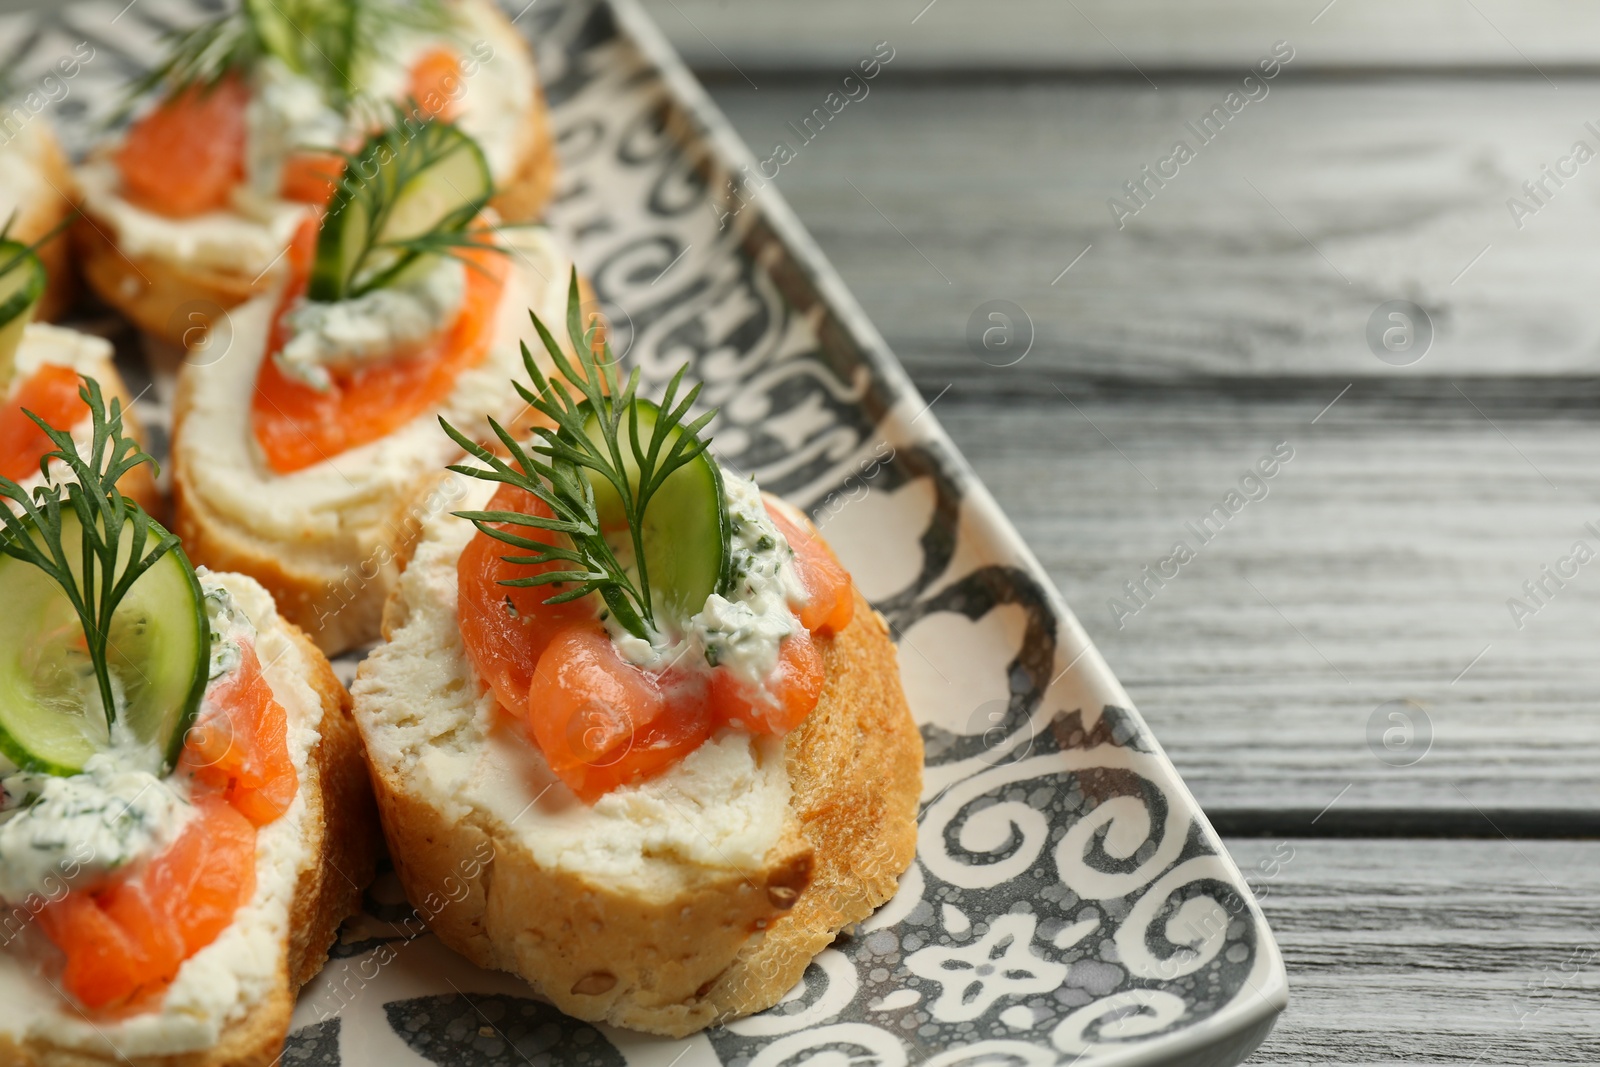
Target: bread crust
<point x="714" y="945"/>
<point x="38" y="218"/>
<point x="150" y="290"/>
<point x="339" y="611"/>
<point x="340" y="865"/>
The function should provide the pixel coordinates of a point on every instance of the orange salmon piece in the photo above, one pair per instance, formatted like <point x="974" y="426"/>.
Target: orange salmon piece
<point x="52" y="394"/>
<point x="831" y="601"/>
<point x="239" y="744"/>
<point x="436" y="84"/>
<point x="185" y="157"/>
<point x="297" y="426"/>
<point x="506" y="629"/>
<point x="125" y="942"/>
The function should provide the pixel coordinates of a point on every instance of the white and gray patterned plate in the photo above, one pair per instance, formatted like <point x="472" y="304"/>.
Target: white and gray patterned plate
<point x="1069" y="902"/>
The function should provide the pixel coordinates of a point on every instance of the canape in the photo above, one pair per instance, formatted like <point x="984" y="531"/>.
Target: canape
<point x="654" y="697"/>
<point x="191" y="210"/>
<point x="184" y="819"/>
<point x="299" y="439"/>
<point x="41" y="368"/>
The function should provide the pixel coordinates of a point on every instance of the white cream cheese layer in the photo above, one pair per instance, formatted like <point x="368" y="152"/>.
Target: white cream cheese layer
<point x="498" y="93"/>
<point x="330" y="507"/>
<point x="423" y="709"/>
<point x="286" y="112"/>
<point x="228" y="978"/>
<point x="229" y="241"/>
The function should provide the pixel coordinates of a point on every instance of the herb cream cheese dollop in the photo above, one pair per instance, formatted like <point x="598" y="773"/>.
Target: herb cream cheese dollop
<point x="83" y="826"/>
<point x="742" y="630"/>
<point x="374" y="326"/>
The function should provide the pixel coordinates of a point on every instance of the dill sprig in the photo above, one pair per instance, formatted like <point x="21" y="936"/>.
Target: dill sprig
<point x="353" y="255"/>
<point x="332" y="42"/>
<point x="554" y="469"/>
<point x="106" y="567"/>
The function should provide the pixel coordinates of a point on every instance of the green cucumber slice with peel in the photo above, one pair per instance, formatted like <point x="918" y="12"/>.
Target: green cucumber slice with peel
<point x="403" y="183"/>
<point x="50" y="715"/>
<point x="688" y="539"/>
<point x="22" y="281"/>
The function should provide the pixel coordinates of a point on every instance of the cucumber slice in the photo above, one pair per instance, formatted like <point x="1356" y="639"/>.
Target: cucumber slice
<point x="50" y="715"/>
<point x="22" y="281"/>
<point x="688" y="539"/>
<point x="402" y="184"/>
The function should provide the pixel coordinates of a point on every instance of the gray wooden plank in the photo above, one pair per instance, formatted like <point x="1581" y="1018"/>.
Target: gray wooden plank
<point x="1266" y="255"/>
<point x="1124" y="36"/>
<point x="1377" y="568"/>
<point x="1431" y="952"/>
<point x="1127" y="35"/>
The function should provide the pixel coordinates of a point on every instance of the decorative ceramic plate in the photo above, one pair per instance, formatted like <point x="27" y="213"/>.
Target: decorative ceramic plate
<point x="1069" y="902"/>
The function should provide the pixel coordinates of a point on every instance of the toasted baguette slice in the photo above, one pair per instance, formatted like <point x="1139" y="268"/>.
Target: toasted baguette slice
<point x="668" y="906"/>
<point x="37" y="184"/>
<point x="325" y="540"/>
<point x="90" y="356"/>
<point x="231" y="1003"/>
<point x="162" y="292"/>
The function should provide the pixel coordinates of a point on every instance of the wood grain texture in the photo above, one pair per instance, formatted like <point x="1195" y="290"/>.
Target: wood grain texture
<point x="1431" y="952"/>
<point x="1266" y="255"/>
<point x="1125" y="36"/>
<point x="1376" y="568"/>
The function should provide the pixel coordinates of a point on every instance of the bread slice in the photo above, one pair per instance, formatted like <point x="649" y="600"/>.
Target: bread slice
<point x="325" y="540"/>
<point x="92" y="356"/>
<point x="283" y="941"/>
<point x="37" y="183"/>
<point x="160" y="293"/>
<point x="669" y="906"/>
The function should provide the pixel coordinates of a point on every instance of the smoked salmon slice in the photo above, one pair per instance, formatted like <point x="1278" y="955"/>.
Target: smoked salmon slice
<point x="298" y="426"/>
<point x="239" y="744"/>
<point x="185" y="157"/>
<point x="50" y="393"/>
<point x="125" y="942"/>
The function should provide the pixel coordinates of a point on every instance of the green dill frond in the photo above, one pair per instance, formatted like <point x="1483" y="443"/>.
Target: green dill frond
<point x="589" y="407"/>
<point x="332" y="42"/>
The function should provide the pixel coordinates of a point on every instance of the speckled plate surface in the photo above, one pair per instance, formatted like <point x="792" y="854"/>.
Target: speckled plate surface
<point x="1069" y="902"/>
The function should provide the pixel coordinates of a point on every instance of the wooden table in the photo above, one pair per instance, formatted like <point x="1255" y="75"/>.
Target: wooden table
<point x="1432" y="885"/>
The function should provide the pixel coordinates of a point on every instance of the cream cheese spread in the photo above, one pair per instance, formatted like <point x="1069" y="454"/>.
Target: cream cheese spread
<point x="372" y="327"/>
<point x="232" y="242"/>
<point x="287" y="111"/>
